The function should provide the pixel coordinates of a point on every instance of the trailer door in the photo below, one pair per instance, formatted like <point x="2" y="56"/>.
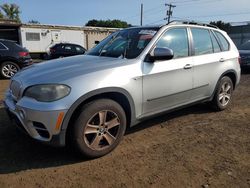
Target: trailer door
<point x="56" y="36"/>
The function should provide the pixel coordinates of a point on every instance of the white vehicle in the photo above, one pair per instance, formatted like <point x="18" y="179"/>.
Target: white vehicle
<point x="39" y="38"/>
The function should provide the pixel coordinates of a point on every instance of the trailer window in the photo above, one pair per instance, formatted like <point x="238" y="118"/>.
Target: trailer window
<point x="32" y="36"/>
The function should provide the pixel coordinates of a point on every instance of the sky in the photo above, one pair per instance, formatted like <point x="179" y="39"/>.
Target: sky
<point x="78" y="12"/>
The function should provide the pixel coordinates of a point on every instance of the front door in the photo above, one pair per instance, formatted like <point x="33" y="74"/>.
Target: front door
<point x="168" y="84"/>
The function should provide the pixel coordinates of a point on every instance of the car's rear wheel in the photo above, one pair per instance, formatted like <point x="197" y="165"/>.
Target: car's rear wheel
<point x="9" y="69"/>
<point x="99" y="128"/>
<point x="223" y="94"/>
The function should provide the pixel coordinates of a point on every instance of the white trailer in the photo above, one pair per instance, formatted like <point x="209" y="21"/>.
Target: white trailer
<point x="38" y="38"/>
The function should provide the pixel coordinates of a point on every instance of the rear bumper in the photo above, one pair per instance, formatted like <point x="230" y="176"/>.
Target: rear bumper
<point x="40" y="125"/>
<point x="25" y="62"/>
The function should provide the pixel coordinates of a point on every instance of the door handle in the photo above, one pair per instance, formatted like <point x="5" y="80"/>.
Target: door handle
<point x="188" y="66"/>
<point x="221" y="60"/>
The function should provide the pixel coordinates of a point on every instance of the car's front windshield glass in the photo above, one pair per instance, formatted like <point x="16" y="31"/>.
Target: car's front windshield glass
<point x="128" y="43"/>
<point x="245" y="46"/>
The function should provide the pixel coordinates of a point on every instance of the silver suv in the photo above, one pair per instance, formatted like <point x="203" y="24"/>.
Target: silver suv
<point x="136" y="73"/>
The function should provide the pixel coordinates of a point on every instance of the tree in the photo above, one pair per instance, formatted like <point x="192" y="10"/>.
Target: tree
<point x="222" y="25"/>
<point x="108" y="23"/>
<point x="11" y="11"/>
<point x="34" y="22"/>
<point x="1" y="15"/>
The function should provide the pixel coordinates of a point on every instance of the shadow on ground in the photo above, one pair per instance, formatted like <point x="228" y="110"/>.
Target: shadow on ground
<point x="19" y="152"/>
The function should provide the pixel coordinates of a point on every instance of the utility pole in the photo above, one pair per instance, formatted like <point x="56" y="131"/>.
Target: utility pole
<point x="169" y="11"/>
<point x="141" y="13"/>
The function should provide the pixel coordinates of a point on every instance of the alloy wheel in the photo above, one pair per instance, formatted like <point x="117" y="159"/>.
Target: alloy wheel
<point x="225" y="93"/>
<point x="9" y="70"/>
<point x="101" y="130"/>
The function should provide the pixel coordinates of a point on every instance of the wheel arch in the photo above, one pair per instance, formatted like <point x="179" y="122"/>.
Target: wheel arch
<point x="6" y="59"/>
<point x="121" y="96"/>
<point x="231" y="74"/>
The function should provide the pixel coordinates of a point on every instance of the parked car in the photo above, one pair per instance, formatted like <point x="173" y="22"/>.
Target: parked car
<point x="244" y="50"/>
<point x="65" y="49"/>
<point x="12" y="58"/>
<point x="135" y="73"/>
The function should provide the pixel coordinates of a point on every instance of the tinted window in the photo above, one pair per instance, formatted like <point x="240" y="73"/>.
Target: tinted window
<point x="216" y="45"/>
<point x="79" y="49"/>
<point x="202" y="41"/>
<point x="2" y="47"/>
<point x="223" y="41"/>
<point x="68" y="48"/>
<point x="177" y="40"/>
<point x="32" y="36"/>
<point x="245" y="46"/>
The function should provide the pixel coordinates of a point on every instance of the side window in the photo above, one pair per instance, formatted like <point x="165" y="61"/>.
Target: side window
<point x="202" y="41"/>
<point x="2" y="47"/>
<point x="216" y="45"/>
<point x="177" y="40"/>
<point x="32" y="36"/>
<point x="223" y="40"/>
<point x="79" y="49"/>
<point x="68" y="48"/>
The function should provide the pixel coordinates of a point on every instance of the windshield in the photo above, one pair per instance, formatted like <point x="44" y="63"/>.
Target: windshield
<point x="128" y="43"/>
<point x="245" y="46"/>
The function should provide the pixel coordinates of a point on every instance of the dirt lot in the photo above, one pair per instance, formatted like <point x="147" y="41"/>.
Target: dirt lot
<point x="194" y="147"/>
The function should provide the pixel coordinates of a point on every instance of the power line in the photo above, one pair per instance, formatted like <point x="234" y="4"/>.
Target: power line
<point x="229" y="14"/>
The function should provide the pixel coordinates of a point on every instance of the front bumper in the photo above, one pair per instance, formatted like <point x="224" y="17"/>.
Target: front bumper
<point x="40" y="124"/>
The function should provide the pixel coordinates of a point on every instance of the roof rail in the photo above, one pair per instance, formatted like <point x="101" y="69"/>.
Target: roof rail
<point x="191" y="22"/>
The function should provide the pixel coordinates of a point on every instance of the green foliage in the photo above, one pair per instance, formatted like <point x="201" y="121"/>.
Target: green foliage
<point x="222" y="25"/>
<point x="1" y="15"/>
<point x="11" y="11"/>
<point x="34" y="22"/>
<point x="108" y="23"/>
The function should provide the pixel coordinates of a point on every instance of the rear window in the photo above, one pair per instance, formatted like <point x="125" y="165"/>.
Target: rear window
<point x="223" y="41"/>
<point x="245" y="46"/>
<point x="2" y="46"/>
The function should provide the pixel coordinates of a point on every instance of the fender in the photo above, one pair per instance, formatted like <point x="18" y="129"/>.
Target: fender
<point x="94" y="93"/>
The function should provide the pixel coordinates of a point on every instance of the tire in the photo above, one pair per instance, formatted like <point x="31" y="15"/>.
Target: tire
<point x="8" y="69"/>
<point x="223" y="94"/>
<point x="93" y="135"/>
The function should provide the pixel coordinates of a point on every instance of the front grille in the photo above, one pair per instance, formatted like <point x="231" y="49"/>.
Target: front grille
<point x="15" y="88"/>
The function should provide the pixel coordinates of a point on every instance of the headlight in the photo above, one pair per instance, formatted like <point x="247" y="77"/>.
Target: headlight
<point x="47" y="92"/>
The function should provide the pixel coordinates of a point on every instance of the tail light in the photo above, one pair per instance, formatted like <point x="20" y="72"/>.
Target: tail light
<point x="23" y="54"/>
<point x="52" y="50"/>
<point x="239" y="60"/>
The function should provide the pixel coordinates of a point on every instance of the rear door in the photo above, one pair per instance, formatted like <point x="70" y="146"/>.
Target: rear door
<point x="206" y="62"/>
<point x="168" y="83"/>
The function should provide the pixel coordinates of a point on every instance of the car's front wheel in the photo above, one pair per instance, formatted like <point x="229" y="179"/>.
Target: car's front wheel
<point x="223" y="94"/>
<point x="9" y="69"/>
<point x="99" y="128"/>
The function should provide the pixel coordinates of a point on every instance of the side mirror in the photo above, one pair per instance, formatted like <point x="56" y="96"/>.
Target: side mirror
<point x="160" y="54"/>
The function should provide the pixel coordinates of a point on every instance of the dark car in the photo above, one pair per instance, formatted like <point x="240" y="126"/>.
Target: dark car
<point x="13" y="57"/>
<point x="244" y="50"/>
<point x="65" y="49"/>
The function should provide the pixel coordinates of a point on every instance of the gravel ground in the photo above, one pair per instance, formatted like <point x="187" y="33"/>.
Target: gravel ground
<point x="193" y="147"/>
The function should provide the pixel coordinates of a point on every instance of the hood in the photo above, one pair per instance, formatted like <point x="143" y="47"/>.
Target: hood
<point x="59" y="70"/>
